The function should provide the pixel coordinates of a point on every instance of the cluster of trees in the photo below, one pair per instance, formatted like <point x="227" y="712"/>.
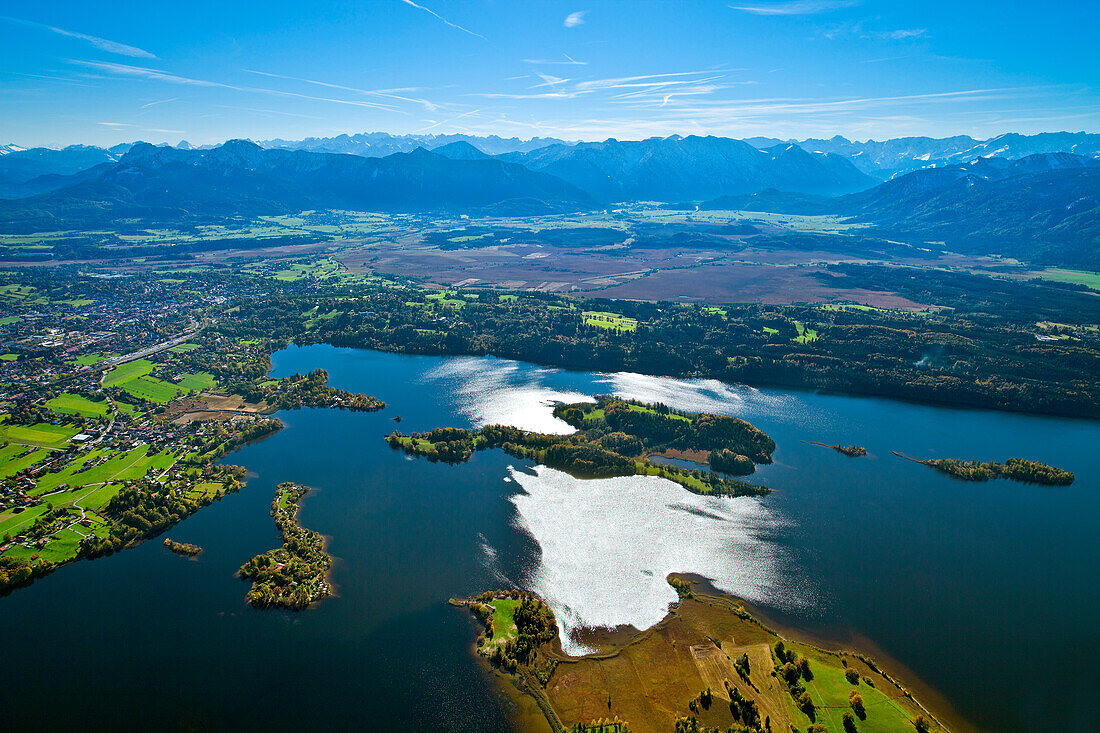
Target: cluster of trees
<point x="742" y="709"/>
<point x="535" y="626"/>
<point x="792" y="671"/>
<point x="682" y="587"/>
<point x="313" y="390"/>
<point x="182" y="548"/>
<point x="225" y="437"/>
<point x="1015" y="469"/>
<point x="657" y="428"/>
<point x="601" y="726"/>
<point x="583" y="454"/>
<point x="296" y="574"/>
<point x="852" y="451"/>
<point x="446" y="445"/>
<point x="731" y="462"/>
<point x="588" y="460"/>
<point x="14" y="572"/>
<point x="146" y="508"/>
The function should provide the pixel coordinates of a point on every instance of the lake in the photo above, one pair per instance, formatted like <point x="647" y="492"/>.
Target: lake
<point x="987" y="592"/>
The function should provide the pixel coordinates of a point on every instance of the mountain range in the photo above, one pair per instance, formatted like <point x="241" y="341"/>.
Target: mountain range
<point x="381" y="144"/>
<point x="1041" y="207"/>
<point x="1044" y="208"/>
<point x="239" y="178"/>
<point x="901" y="155"/>
<point x="691" y="168"/>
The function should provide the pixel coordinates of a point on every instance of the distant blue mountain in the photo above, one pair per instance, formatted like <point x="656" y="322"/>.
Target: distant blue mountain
<point x="380" y="144"/>
<point x="1044" y="208"/>
<point x="904" y="154"/>
<point x="691" y="168"/>
<point x="241" y="178"/>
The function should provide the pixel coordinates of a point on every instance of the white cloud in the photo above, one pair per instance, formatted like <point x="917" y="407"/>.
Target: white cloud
<point x="142" y="72"/>
<point x="569" y="61"/>
<point x="101" y="43"/>
<point x="386" y="93"/>
<point x="796" y="7"/>
<point x="410" y="3"/>
<point x="575" y="19"/>
<point x="147" y="105"/>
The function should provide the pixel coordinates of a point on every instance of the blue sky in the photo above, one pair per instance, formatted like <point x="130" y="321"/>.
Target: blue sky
<point x="105" y="72"/>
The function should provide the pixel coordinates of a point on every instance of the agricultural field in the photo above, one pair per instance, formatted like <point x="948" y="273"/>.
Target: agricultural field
<point x="125" y="372"/>
<point x="90" y="359"/>
<point x="609" y="321"/>
<point x="805" y="334"/>
<point x="447" y="298"/>
<point x="151" y="389"/>
<point x="1090" y="280"/>
<point x="504" y="625"/>
<point x="196" y="382"/>
<point x="73" y="404"/>
<point x="14" y="458"/>
<point x="11" y="522"/>
<point x="100" y="467"/>
<point x="45" y="435"/>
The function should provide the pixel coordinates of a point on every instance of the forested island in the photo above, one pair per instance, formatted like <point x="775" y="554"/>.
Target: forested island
<point x="615" y="437"/>
<point x="1014" y="469"/>
<point x="295" y="575"/>
<point x="711" y="667"/>
<point x="182" y="548"/>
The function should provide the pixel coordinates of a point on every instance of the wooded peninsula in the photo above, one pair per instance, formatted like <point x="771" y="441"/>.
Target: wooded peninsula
<point x="295" y="575"/>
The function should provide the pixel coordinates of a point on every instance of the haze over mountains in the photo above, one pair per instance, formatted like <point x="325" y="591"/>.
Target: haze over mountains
<point x="904" y="154"/>
<point x="997" y="197"/>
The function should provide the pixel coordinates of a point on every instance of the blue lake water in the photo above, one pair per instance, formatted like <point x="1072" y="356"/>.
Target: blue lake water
<point x="987" y="592"/>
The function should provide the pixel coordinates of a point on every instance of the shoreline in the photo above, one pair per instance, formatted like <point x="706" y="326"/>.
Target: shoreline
<point x="925" y="695"/>
<point x="611" y="643"/>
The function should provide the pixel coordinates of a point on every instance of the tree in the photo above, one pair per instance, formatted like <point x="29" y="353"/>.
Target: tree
<point x="849" y="722"/>
<point x="856" y="701"/>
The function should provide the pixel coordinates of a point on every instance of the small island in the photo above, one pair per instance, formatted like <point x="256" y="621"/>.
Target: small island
<point x="295" y="575"/>
<point x="182" y="548"/>
<point x="616" y="437"/>
<point x="710" y="666"/>
<point x="1014" y="469"/>
<point x="852" y="451"/>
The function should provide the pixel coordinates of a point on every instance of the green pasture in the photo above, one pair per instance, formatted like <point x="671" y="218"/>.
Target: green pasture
<point x="151" y="389"/>
<point x="43" y="434"/>
<point x="12" y="460"/>
<point x="126" y="372"/>
<point x="609" y="321"/>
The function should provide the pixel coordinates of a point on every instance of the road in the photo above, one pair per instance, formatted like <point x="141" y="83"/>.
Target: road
<point x="150" y="350"/>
